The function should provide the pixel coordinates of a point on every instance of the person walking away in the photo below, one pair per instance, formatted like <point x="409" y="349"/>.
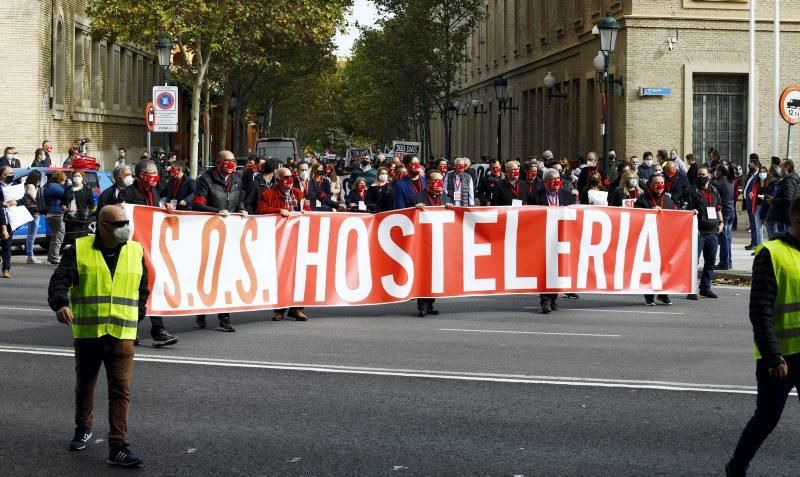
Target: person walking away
<point x="34" y="202"/>
<point x="406" y="188"/>
<point x="655" y="198"/>
<point x="180" y="187"/>
<point x="775" y="316"/>
<point x="704" y="199"/>
<point x="7" y="175"/>
<point x="283" y="198"/>
<point x="80" y="202"/>
<point x="54" y="192"/>
<point x="769" y="190"/>
<point x="144" y="192"/>
<point x="788" y="190"/>
<point x="434" y="196"/>
<point x="459" y="184"/>
<point x="552" y="195"/>
<point x="219" y="191"/>
<point x="100" y="290"/>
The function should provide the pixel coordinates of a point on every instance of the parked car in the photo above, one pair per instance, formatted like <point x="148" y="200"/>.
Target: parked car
<point x="281" y="148"/>
<point x="98" y="181"/>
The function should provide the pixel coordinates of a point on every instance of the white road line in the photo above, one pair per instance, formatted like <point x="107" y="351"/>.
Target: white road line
<point x="530" y="333"/>
<point x="26" y="309"/>
<point x="414" y="373"/>
<point x="599" y="310"/>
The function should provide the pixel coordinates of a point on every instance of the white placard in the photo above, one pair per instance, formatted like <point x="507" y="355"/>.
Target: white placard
<point x="598" y="197"/>
<point x="362" y="205"/>
<point x="711" y="212"/>
<point x="516" y="203"/>
<point x="15" y="192"/>
<point x="18" y="216"/>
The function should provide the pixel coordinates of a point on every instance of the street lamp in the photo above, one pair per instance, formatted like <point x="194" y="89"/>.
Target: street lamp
<point x="452" y="110"/>
<point x="607" y="29"/>
<point x="549" y="84"/>
<point x="232" y="103"/>
<point x="260" y="117"/>
<point x="164" y="47"/>
<point x="477" y="107"/>
<point x="503" y="98"/>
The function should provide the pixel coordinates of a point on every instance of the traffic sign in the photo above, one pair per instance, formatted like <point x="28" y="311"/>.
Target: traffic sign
<point x="165" y="103"/>
<point x="789" y="105"/>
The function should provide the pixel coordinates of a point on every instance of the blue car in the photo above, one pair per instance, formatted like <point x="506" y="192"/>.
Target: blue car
<point x="98" y="181"/>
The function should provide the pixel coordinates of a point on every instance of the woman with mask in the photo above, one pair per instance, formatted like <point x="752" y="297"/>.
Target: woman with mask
<point x="38" y="158"/>
<point x="655" y="198"/>
<point x="357" y="199"/>
<point x="335" y="183"/>
<point x="628" y="191"/>
<point x="80" y="202"/>
<point x="319" y="191"/>
<point x="380" y="196"/>
<point x="35" y="205"/>
<point x="595" y="184"/>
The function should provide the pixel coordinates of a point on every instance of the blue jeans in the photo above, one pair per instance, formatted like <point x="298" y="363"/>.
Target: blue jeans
<point x="755" y="228"/>
<point x="32" y="228"/>
<point x="707" y="246"/>
<point x="726" y="241"/>
<point x="779" y="228"/>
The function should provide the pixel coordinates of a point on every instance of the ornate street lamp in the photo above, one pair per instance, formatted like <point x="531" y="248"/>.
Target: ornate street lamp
<point x="607" y="29"/>
<point x="503" y="99"/>
<point x="549" y="84"/>
<point x="164" y="47"/>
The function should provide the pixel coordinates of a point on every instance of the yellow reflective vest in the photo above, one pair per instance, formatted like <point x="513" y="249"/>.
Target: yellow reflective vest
<point x="102" y="304"/>
<point x="786" y="266"/>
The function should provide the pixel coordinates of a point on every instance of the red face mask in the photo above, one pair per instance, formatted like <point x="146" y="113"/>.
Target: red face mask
<point x="361" y="187"/>
<point x="671" y="173"/>
<point x="443" y="168"/>
<point x="403" y="175"/>
<point x="151" y="179"/>
<point x="553" y="185"/>
<point x="461" y="168"/>
<point x="286" y="183"/>
<point x="227" y="167"/>
<point x="328" y="170"/>
<point x="173" y="171"/>
<point x="416" y="167"/>
<point x="391" y="172"/>
<point x="532" y="175"/>
<point x="496" y="170"/>
<point x="435" y="187"/>
<point x="657" y="189"/>
<point x="253" y="167"/>
<point x="513" y="174"/>
<point x="48" y="149"/>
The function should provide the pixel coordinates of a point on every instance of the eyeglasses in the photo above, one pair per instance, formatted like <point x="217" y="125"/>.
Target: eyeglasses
<point x="118" y="223"/>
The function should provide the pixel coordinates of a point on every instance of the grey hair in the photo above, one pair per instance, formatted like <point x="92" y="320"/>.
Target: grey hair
<point x="551" y="174"/>
<point x="118" y="170"/>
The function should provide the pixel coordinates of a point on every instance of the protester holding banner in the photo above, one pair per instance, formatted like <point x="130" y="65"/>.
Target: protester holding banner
<point x="434" y="196"/>
<point x="459" y="184"/>
<point x="552" y="195"/>
<point x="180" y="187"/>
<point x="357" y="198"/>
<point x="628" y="191"/>
<point x="655" y="198"/>
<point x="319" y="191"/>
<point x="261" y="182"/>
<point x="144" y="192"/>
<point x="704" y="199"/>
<point x="219" y="190"/>
<point x="380" y="196"/>
<point x="487" y="189"/>
<point x="594" y="193"/>
<point x="407" y="187"/>
<point x="675" y="180"/>
<point x="511" y="191"/>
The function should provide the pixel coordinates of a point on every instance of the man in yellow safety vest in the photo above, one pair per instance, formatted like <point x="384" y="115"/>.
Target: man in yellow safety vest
<point x="100" y="288"/>
<point x="775" y="315"/>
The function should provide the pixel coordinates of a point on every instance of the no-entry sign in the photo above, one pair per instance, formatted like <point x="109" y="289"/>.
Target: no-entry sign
<point x="165" y="104"/>
<point x="789" y="104"/>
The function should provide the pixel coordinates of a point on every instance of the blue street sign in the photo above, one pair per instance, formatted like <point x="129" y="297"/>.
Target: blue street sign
<point x="654" y="92"/>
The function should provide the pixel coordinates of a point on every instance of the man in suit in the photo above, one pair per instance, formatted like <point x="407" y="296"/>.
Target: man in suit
<point x="10" y="158"/>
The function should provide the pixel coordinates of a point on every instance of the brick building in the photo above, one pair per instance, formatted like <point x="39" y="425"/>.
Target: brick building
<point x="706" y="71"/>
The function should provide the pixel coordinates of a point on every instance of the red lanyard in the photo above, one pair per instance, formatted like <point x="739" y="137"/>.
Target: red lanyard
<point x="514" y="189"/>
<point x="147" y="194"/>
<point x="418" y="186"/>
<point x="175" y="186"/>
<point x="456" y="182"/>
<point x="438" y="199"/>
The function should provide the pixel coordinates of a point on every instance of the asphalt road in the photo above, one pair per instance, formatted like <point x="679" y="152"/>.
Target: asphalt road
<point x="604" y="387"/>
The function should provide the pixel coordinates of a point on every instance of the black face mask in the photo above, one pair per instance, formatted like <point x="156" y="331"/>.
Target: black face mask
<point x="702" y="181"/>
<point x="8" y="180"/>
<point x="595" y="182"/>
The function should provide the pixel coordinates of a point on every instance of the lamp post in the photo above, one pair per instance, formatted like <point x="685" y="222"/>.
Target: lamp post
<point x="607" y="29"/>
<point x="549" y="84"/>
<point x="503" y="98"/>
<point x="452" y="110"/>
<point x="164" y="47"/>
<point x="260" y="117"/>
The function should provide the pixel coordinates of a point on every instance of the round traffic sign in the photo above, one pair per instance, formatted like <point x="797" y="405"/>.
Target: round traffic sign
<point x="165" y="100"/>
<point x="789" y="104"/>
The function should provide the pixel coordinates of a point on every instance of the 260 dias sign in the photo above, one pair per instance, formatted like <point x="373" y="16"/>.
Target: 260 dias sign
<point x="789" y="104"/>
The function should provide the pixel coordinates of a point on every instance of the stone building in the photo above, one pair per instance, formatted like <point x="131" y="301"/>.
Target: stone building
<point x="706" y="72"/>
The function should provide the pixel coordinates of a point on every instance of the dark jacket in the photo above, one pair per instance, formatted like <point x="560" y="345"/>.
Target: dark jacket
<point x="109" y="196"/>
<point x="646" y="201"/>
<point x="354" y="198"/>
<point x="84" y="202"/>
<point x="725" y="189"/>
<point x="644" y="172"/>
<point x="619" y="194"/>
<point x="136" y="195"/>
<point x="586" y="174"/>
<point x="691" y="174"/>
<point x="425" y="198"/>
<point x="183" y="191"/>
<point x="380" y="198"/>
<point x="322" y="193"/>
<point x="765" y="212"/>
<point x="487" y="189"/>
<point x="253" y="192"/>
<point x="54" y="198"/>
<point x="531" y="188"/>
<point x="505" y="193"/>
<point x="13" y="163"/>
<point x="763" y="293"/>
<point x="66" y="276"/>
<point x="676" y="185"/>
<point x="564" y="197"/>
<point x="693" y="199"/>
<point x="404" y="192"/>
<point x="788" y="190"/>
<point x="213" y="193"/>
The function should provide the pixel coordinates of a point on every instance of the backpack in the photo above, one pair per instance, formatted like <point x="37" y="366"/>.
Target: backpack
<point x="35" y="207"/>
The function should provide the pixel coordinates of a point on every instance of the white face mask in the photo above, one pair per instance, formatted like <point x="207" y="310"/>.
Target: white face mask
<point x="122" y="234"/>
<point x="762" y="176"/>
<point x="77" y="180"/>
<point x="383" y="177"/>
<point x="648" y="163"/>
<point x="303" y="175"/>
<point x="127" y="181"/>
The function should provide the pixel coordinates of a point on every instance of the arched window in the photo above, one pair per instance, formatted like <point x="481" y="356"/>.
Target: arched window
<point x="58" y="63"/>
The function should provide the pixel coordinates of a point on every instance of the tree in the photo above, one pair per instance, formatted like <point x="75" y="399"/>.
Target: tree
<point x="207" y="31"/>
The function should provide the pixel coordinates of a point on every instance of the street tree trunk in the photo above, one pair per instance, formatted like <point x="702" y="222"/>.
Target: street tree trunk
<point x="225" y="106"/>
<point x="194" y="142"/>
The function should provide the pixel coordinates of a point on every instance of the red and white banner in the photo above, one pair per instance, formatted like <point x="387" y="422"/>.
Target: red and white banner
<point x="204" y="263"/>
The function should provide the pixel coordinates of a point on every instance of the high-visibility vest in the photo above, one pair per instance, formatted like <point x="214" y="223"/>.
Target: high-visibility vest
<point x="102" y="305"/>
<point x="786" y="265"/>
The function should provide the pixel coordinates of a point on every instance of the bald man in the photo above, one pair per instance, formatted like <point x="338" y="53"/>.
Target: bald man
<point x="103" y="320"/>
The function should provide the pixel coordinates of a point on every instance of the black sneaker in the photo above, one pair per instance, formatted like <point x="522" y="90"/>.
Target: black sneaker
<point x="649" y="302"/>
<point x="123" y="457"/>
<point x="82" y="436"/>
<point x="573" y="296"/>
<point x="692" y="296"/>
<point x="225" y="324"/>
<point x="721" y="267"/>
<point x="708" y="294"/>
<point x="664" y="299"/>
<point x="200" y="322"/>
<point x="750" y="247"/>
<point x="136" y="342"/>
<point x="432" y="311"/>
<point x="163" y="337"/>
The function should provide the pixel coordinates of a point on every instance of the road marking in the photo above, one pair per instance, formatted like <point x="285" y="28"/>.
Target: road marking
<point x="612" y="311"/>
<point x="415" y="373"/>
<point x="530" y="333"/>
<point x="27" y="309"/>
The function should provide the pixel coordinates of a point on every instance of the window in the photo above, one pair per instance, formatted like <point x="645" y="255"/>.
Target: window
<point x="543" y="17"/>
<point x="113" y="76"/>
<point x="59" y="66"/>
<point x="124" y="83"/>
<point x="78" y="68"/>
<point x="96" y="86"/>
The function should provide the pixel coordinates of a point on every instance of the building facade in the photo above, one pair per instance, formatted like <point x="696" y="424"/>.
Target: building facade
<point x="694" y="54"/>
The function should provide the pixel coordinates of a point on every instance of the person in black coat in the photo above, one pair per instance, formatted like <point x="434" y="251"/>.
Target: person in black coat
<point x="356" y="200"/>
<point x="380" y="195"/>
<point x="675" y="181"/>
<point x="262" y="181"/>
<point x="123" y="178"/>
<point x="511" y="188"/>
<point x="318" y="191"/>
<point x="433" y="196"/>
<point x="488" y="186"/>
<point x="533" y="182"/>
<point x="655" y="198"/>
<point x="180" y="187"/>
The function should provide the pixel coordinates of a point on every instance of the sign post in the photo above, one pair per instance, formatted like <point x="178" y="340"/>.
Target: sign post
<point x="789" y="108"/>
<point x="150" y="122"/>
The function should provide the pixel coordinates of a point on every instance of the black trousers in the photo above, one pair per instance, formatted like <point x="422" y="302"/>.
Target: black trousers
<point x="548" y="297"/>
<point x="772" y="395"/>
<point x="425" y="303"/>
